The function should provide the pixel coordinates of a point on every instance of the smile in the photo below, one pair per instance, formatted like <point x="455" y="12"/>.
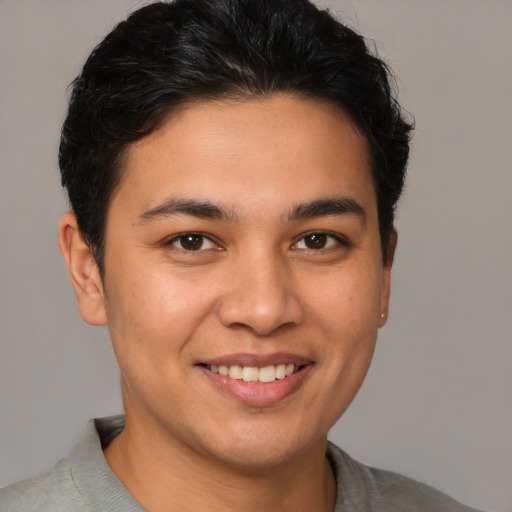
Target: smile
<point x="265" y="374"/>
<point x="257" y="380"/>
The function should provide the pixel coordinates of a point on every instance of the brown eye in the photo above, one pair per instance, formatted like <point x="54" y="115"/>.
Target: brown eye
<point x="191" y="242"/>
<point x="315" y="241"/>
<point x="319" y="241"/>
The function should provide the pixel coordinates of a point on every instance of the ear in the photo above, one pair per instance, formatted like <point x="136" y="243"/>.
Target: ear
<point x="83" y="271"/>
<point x="386" y="279"/>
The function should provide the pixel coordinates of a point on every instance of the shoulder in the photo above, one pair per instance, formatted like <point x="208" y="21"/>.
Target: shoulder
<point x="368" y="489"/>
<point x="80" y="482"/>
<point x="52" y="490"/>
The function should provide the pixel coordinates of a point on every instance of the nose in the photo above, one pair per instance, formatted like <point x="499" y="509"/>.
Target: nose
<point x="259" y="296"/>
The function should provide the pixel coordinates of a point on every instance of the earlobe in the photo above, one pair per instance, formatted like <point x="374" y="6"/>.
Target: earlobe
<point x="386" y="282"/>
<point x="83" y="271"/>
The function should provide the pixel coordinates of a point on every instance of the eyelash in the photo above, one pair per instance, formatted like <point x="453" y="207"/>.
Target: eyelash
<point x="181" y="238"/>
<point x="338" y="239"/>
<point x="324" y="236"/>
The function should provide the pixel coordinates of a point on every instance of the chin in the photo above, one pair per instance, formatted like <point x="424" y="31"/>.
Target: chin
<point x="264" y="448"/>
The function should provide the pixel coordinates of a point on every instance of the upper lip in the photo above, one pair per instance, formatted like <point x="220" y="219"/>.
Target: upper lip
<point x="257" y="360"/>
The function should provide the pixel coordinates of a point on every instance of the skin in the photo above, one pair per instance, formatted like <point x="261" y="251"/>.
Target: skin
<point x="255" y="286"/>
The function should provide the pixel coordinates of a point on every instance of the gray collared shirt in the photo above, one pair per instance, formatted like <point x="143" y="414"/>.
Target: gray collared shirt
<point x="83" y="481"/>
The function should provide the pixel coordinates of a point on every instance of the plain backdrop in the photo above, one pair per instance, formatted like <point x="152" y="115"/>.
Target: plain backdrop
<point x="437" y="404"/>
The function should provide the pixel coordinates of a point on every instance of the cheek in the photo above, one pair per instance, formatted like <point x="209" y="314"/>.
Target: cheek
<point x="154" y="314"/>
<point x="347" y="313"/>
<point x="347" y="301"/>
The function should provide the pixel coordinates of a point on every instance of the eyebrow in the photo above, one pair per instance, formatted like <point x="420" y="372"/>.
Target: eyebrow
<point x="339" y="205"/>
<point x="201" y="209"/>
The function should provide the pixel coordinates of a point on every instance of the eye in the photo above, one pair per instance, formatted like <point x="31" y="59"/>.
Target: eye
<point x="191" y="242"/>
<point x="319" y="241"/>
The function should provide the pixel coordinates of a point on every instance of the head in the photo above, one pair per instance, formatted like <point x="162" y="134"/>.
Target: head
<point x="166" y="55"/>
<point x="234" y="166"/>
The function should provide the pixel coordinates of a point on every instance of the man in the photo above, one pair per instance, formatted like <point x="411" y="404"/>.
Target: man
<point x="233" y="168"/>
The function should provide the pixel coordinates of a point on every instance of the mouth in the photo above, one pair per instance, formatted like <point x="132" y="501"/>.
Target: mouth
<point x="265" y="374"/>
<point x="258" y="381"/>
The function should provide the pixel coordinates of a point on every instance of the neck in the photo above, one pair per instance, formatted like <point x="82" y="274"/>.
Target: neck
<point x="165" y="476"/>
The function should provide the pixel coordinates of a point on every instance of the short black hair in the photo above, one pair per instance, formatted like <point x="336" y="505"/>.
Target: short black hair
<point x="169" y="53"/>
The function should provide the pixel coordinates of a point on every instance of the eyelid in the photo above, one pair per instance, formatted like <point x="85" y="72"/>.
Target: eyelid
<point x="170" y="241"/>
<point x="340" y="239"/>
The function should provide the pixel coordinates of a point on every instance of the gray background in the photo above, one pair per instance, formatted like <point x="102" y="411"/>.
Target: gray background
<point x="437" y="403"/>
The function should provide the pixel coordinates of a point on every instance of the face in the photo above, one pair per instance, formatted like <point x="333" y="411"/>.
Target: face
<point x="243" y="241"/>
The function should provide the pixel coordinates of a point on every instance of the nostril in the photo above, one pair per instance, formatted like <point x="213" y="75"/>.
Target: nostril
<point x="260" y="299"/>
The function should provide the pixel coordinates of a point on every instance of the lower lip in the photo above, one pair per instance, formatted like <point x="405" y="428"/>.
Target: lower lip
<point x="258" y="394"/>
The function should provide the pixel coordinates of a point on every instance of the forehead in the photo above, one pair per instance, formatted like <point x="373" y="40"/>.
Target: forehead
<point x="269" y="150"/>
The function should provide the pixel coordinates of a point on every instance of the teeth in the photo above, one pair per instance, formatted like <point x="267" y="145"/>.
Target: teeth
<point x="267" y="374"/>
<point x="235" y="372"/>
<point x="280" y="371"/>
<point x="250" y="374"/>
<point x="254" y="374"/>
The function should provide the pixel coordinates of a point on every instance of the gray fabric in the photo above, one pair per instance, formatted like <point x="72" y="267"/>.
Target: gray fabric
<point x="83" y="481"/>
<point x="80" y="482"/>
<point x="365" y="489"/>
